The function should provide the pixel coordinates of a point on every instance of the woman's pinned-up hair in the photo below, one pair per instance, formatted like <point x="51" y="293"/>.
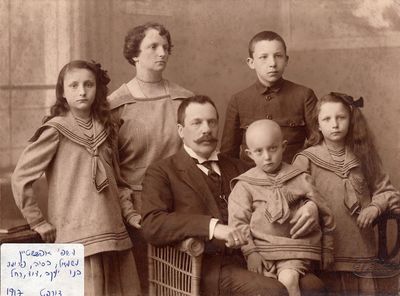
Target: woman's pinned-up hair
<point x="135" y="36"/>
<point x="359" y="137"/>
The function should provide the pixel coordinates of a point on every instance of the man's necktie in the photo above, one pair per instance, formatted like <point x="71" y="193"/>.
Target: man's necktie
<point x="215" y="184"/>
<point x="215" y="178"/>
<point x="212" y="174"/>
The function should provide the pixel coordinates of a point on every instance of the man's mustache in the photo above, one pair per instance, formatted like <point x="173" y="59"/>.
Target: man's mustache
<point x="205" y="138"/>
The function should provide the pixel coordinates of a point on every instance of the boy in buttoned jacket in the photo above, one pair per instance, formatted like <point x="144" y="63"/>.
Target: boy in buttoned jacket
<point x="270" y="97"/>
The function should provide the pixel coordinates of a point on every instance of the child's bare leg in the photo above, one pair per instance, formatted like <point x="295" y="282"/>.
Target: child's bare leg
<point x="290" y="279"/>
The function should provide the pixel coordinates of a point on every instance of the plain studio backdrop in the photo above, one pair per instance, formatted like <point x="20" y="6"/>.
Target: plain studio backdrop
<point x="350" y="46"/>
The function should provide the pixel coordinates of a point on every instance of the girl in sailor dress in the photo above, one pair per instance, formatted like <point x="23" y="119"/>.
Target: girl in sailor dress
<point x="88" y="202"/>
<point x="346" y="169"/>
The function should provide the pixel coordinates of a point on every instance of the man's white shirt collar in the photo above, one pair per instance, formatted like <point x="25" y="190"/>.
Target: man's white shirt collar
<point x="213" y="157"/>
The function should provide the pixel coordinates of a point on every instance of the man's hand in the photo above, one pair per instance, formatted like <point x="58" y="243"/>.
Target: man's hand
<point x="233" y="237"/>
<point x="47" y="232"/>
<point x="367" y="216"/>
<point x="255" y="263"/>
<point x="305" y="220"/>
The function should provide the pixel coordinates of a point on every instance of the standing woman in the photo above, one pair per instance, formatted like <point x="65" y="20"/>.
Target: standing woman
<point x="146" y="106"/>
<point x="145" y="109"/>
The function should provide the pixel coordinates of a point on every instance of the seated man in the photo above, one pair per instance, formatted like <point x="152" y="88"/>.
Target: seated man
<point x="185" y="196"/>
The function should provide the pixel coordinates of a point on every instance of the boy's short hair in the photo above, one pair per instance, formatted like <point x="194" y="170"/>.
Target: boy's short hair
<point x="265" y="35"/>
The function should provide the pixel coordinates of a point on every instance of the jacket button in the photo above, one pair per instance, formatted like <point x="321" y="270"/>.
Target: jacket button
<point x="269" y="97"/>
<point x="269" y="116"/>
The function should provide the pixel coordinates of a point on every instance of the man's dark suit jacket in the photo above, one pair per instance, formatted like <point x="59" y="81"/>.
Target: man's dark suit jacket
<point x="177" y="204"/>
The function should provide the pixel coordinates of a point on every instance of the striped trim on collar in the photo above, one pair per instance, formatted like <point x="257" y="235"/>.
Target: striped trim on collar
<point x="97" y="141"/>
<point x="287" y="172"/>
<point x="341" y="171"/>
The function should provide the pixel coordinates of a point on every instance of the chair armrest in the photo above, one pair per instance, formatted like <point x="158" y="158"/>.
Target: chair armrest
<point x="383" y="253"/>
<point x="175" y="269"/>
<point x="25" y="236"/>
<point x="191" y="246"/>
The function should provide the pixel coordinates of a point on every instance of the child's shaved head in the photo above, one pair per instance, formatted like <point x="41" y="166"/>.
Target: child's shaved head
<point x="263" y="128"/>
<point x="265" y="144"/>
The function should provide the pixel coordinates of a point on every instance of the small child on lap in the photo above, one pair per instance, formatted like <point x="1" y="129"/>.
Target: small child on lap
<point x="263" y="202"/>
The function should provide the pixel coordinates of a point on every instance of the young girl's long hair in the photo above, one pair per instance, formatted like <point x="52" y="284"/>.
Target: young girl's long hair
<point x="100" y="108"/>
<point x="359" y="137"/>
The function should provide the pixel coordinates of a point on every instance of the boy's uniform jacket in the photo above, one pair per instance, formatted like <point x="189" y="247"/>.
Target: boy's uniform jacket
<point x="84" y="199"/>
<point x="346" y="191"/>
<point x="289" y="104"/>
<point x="262" y="204"/>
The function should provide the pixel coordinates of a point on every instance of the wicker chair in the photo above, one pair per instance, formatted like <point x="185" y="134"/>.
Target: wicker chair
<point x="386" y="265"/>
<point x="383" y="253"/>
<point x="175" y="270"/>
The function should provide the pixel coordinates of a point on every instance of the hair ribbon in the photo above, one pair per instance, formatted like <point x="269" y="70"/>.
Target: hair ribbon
<point x="349" y="100"/>
<point x="359" y="103"/>
<point x="102" y="74"/>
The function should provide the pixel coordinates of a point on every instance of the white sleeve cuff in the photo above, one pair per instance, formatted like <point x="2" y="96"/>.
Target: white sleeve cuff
<point x="213" y="223"/>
